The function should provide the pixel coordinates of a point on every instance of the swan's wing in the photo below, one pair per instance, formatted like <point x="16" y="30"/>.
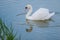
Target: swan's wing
<point x="50" y="15"/>
<point x="40" y="13"/>
<point x="41" y="10"/>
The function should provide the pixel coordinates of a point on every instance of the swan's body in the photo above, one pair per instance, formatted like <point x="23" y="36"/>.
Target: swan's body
<point x="40" y="14"/>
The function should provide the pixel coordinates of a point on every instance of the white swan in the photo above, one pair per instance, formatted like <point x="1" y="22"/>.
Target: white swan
<point x="40" y="14"/>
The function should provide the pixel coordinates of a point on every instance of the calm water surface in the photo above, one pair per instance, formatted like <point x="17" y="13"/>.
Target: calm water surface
<point x="31" y="30"/>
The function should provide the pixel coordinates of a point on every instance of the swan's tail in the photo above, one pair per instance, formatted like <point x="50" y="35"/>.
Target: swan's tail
<point x="50" y="15"/>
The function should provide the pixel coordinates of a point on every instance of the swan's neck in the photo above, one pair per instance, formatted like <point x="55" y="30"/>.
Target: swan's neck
<point x="28" y="13"/>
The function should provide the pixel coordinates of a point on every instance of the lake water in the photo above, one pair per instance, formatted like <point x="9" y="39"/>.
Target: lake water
<point x="31" y="30"/>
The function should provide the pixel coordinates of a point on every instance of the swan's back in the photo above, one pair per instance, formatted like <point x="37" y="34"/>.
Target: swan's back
<point x="40" y="13"/>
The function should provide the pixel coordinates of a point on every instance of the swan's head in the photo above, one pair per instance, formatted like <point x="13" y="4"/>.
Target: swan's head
<point x="28" y="6"/>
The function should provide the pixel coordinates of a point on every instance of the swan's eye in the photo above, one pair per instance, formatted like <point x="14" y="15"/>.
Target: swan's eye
<point x="26" y="7"/>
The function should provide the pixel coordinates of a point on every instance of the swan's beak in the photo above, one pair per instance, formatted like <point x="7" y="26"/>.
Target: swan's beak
<point x="25" y="7"/>
<point x="20" y="14"/>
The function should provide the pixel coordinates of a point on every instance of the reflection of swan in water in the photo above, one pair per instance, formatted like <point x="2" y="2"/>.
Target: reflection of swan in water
<point x="39" y="23"/>
<point x="29" y="30"/>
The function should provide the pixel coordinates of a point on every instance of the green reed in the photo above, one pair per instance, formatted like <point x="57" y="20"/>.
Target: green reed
<point x="5" y="32"/>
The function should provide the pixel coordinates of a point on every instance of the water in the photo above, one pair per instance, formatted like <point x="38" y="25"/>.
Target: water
<point x="31" y="30"/>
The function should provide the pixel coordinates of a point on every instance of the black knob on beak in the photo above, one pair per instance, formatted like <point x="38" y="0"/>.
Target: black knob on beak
<point x="25" y="7"/>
